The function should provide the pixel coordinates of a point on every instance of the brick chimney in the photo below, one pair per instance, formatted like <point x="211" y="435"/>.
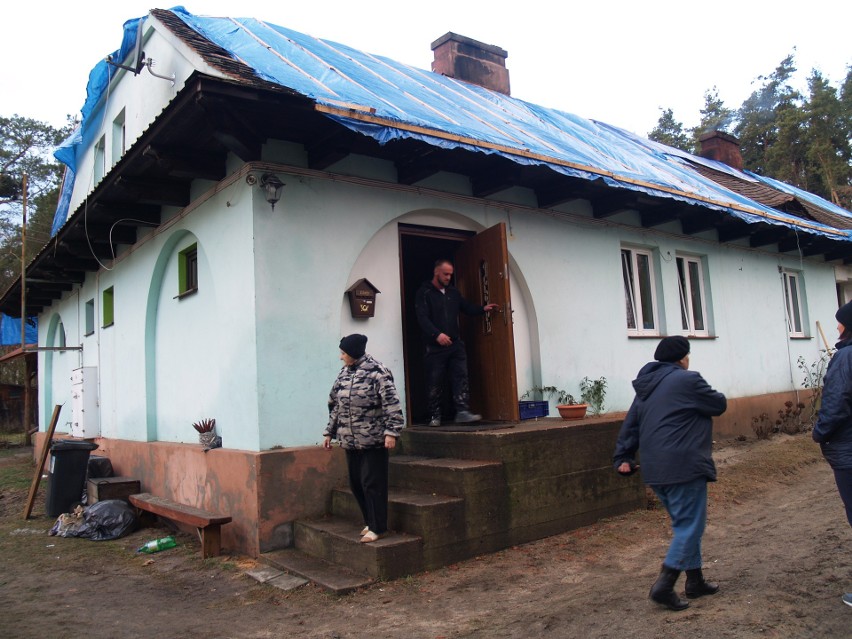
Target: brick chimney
<point x="471" y="61"/>
<point x="720" y="146"/>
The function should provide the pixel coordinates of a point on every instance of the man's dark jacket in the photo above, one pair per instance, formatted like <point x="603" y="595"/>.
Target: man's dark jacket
<point x="670" y="422"/>
<point x="438" y="312"/>
<point x="833" y="430"/>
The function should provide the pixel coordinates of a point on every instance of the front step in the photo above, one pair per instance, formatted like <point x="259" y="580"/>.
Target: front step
<point x="445" y="476"/>
<point x="331" y="577"/>
<point x="415" y="512"/>
<point x="338" y="541"/>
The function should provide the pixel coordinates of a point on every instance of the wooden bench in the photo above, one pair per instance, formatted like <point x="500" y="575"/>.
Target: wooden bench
<point x="207" y="524"/>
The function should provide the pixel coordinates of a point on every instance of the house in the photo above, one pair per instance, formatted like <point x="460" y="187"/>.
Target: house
<point x="227" y="198"/>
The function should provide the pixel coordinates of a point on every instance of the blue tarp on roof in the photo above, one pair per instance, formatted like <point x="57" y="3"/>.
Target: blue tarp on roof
<point x="406" y="102"/>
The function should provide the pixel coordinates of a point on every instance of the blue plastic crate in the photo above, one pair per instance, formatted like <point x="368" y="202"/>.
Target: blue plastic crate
<point x="530" y="410"/>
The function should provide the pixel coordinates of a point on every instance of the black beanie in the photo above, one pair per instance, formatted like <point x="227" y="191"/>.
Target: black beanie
<point x="844" y="315"/>
<point x="672" y="349"/>
<point x="354" y="345"/>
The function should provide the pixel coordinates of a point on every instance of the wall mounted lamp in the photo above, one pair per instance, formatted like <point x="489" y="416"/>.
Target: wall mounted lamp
<point x="271" y="186"/>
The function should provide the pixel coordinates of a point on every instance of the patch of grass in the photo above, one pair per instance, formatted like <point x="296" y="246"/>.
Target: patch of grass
<point x="16" y="469"/>
<point x="764" y="465"/>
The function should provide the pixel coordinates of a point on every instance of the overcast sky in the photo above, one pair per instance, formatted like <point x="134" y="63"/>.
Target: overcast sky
<point x="618" y="61"/>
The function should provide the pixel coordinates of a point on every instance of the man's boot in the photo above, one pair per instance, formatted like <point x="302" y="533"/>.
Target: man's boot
<point x="696" y="586"/>
<point x="663" y="592"/>
<point x="466" y="417"/>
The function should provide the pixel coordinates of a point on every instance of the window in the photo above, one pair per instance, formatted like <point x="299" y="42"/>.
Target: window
<point x="100" y="161"/>
<point x="107" y="307"/>
<point x="60" y="334"/>
<point x="793" y="300"/>
<point x="188" y="270"/>
<point x="119" y="138"/>
<point x="693" y="307"/>
<point x="640" y="296"/>
<point x="90" y="317"/>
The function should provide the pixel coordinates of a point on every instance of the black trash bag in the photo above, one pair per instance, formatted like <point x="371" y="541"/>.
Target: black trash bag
<point x="99" y="467"/>
<point x="108" y="519"/>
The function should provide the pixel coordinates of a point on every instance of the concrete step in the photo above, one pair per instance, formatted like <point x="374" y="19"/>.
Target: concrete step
<point x="331" y="577"/>
<point x="424" y="514"/>
<point x="443" y="475"/>
<point x="337" y="540"/>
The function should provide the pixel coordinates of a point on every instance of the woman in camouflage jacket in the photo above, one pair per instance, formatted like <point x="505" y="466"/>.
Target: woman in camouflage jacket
<point x="365" y="416"/>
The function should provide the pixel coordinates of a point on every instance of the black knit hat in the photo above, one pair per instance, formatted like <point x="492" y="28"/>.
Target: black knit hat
<point x="844" y="315"/>
<point x="672" y="349"/>
<point x="354" y="345"/>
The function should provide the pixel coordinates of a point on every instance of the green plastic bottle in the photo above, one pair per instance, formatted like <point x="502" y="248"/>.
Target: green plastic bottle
<point x="157" y="545"/>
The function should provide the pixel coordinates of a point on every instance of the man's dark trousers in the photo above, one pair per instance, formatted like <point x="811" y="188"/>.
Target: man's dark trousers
<point x="446" y="362"/>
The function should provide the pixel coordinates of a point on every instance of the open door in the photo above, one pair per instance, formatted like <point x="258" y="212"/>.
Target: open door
<point x="482" y="277"/>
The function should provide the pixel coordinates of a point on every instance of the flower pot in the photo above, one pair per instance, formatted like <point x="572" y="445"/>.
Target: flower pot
<point x="572" y="411"/>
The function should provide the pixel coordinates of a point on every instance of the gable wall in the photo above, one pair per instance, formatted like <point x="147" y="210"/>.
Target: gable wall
<point x="167" y="362"/>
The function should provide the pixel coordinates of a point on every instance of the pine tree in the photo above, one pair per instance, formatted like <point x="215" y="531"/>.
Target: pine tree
<point x="670" y="132"/>
<point x="715" y="116"/>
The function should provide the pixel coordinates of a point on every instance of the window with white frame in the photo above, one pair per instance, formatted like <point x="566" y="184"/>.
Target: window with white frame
<point x="100" y="160"/>
<point x="119" y="138"/>
<point x="640" y="295"/>
<point x="693" y="305"/>
<point x="793" y="302"/>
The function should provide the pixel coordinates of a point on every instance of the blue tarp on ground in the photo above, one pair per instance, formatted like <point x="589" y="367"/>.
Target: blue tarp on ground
<point x="406" y="102"/>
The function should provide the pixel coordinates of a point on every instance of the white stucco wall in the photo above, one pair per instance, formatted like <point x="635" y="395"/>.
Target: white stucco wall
<point x="567" y="291"/>
<point x="167" y="362"/>
<point x="256" y="346"/>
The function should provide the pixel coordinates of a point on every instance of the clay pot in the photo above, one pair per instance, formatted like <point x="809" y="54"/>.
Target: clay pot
<point x="572" y="411"/>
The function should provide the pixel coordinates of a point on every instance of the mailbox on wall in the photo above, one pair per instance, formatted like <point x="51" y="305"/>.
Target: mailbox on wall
<point x="362" y="298"/>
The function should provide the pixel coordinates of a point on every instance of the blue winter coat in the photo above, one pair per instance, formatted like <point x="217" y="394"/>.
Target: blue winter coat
<point x="833" y="430"/>
<point x="670" y="423"/>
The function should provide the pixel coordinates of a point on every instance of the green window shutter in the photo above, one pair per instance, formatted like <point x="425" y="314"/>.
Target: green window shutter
<point x="108" y="308"/>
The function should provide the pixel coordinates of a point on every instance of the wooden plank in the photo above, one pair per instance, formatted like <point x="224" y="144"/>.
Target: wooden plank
<point x="42" y="459"/>
<point x="211" y="541"/>
<point x="171" y="510"/>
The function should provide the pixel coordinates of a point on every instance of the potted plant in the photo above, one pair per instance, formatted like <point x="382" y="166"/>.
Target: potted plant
<point x="568" y="407"/>
<point x="207" y="436"/>
<point x="593" y="393"/>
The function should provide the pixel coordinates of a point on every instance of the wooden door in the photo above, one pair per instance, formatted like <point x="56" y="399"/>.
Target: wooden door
<point x="482" y="277"/>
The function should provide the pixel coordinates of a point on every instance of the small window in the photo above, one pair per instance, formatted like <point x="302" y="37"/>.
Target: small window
<point x="793" y="300"/>
<point x="100" y="160"/>
<point x="188" y="270"/>
<point x="119" y="138"/>
<point x="90" y="317"/>
<point x="640" y="295"/>
<point x="693" y="307"/>
<point x="108" y="308"/>
<point x="60" y="335"/>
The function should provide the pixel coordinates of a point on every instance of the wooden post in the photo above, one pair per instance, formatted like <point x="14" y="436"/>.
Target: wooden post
<point x="824" y="341"/>
<point x="24" y="264"/>
<point x="42" y="458"/>
<point x="28" y="398"/>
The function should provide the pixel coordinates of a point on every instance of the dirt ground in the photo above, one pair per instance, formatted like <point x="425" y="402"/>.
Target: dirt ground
<point x="777" y="542"/>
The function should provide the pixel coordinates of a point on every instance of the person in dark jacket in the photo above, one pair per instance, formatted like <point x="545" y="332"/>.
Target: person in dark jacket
<point x="365" y="416"/>
<point x="670" y="422"/>
<point x="437" y="306"/>
<point x="833" y="429"/>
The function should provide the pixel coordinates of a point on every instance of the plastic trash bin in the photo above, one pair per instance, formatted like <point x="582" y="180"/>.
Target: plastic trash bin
<point x="66" y="477"/>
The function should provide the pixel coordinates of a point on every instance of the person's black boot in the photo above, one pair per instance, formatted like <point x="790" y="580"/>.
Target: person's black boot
<point x="663" y="592"/>
<point x="696" y="586"/>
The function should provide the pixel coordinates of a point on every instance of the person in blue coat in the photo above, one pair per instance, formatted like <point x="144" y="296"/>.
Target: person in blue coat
<point x="833" y="429"/>
<point x="670" y="423"/>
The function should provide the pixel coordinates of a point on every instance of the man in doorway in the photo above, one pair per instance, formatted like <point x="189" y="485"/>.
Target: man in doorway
<point x="438" y="304"/>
